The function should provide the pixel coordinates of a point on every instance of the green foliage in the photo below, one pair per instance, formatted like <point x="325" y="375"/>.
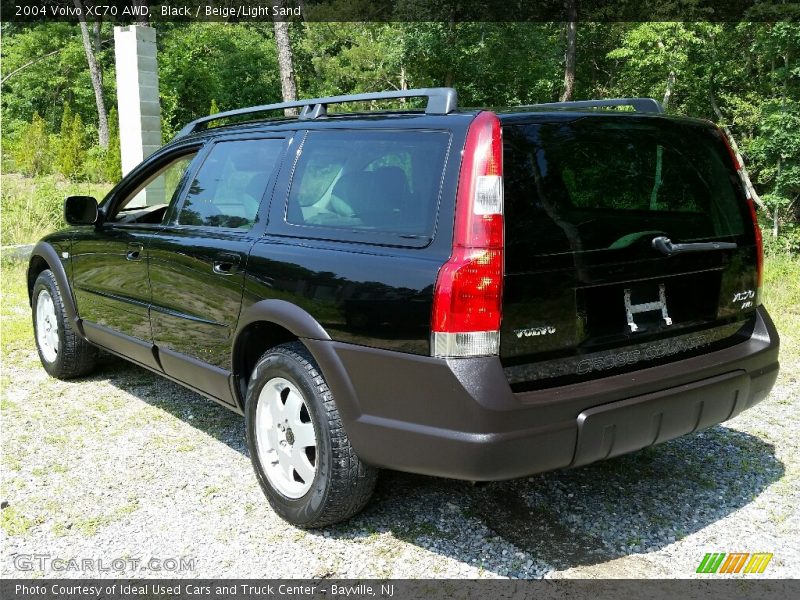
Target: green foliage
<point x="31" y="152"/>
<point x="491" y="64"/>
<point x="349" y="57"/>
<point x="776" y="150"/>
<point x="233" y="64"/>
<point x="782" y="297"/>
<point x="70" y="153"/>
<point x="33" y="207"/>
<point x="103" y="165"/>
<point x="57" y="76"/>
<point x="649" y="52"/>
<point x="750" y="70"/>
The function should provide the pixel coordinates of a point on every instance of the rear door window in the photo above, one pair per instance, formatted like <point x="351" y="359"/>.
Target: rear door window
<point x="361" y="185"/>
<point x="595" y="184"/>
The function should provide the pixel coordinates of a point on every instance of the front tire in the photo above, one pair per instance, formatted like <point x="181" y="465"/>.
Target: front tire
<point x="63" y="352"/>
<point x="299" y="449"/>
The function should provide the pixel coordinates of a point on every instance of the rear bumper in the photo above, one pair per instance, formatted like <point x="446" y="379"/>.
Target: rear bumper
<point x="459" y="418"/>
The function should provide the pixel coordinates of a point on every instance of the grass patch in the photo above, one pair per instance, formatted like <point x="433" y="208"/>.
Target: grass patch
<point x="89" y="526"/>
<point x="106" y="403"/>
<point x="414" y="531"/>
<point x="782" y="299"/>
<point x="16" y="329"/>
<point x="211" y="490"/>
<point x="33" y="206"/>
<point x="14" y="523"/>
<point x="42" y="471"/>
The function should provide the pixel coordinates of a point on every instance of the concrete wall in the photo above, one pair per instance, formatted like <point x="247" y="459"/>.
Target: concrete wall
<point x="137" y="93"/>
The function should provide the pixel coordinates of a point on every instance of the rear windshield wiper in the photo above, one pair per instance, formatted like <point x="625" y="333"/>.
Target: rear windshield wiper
<point x="663" y="244"/>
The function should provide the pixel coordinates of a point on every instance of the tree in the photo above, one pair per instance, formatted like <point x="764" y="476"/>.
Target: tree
<point x="97" y="77"/>
<point x="44" y="67"/>
<point x="142" y="17"/>
<point x="569" y="54"/>
<point x="70" y="157"/>
<point x="285" y="61"/>
<point x="350" y="58"/>
<point x="230" y="64"/>
<point x="495" y="64"/>
<point x="31" y="153"/>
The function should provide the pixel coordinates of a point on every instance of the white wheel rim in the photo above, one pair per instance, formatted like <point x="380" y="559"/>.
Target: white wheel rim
<point x="46" y="326"/>
<point x="285" y="438"/>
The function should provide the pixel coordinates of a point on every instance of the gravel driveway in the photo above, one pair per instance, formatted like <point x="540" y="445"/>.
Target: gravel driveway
<point x="125" y="464"/>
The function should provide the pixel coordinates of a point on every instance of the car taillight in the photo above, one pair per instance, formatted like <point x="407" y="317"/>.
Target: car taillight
<point x="759" y="248"/>
<point x="753" y="217"/>
<point x="467" y="302"/>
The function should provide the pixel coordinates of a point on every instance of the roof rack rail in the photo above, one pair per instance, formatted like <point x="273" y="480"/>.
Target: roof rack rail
<point x="441" y="101"/>
<point x="645" y="105"/>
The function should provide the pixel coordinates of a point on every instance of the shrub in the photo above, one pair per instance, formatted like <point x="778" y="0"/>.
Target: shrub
<point x="71" y="154"/>
<point x="105" y="165"/>
<point x="33" y="207"/>
<point x="31" y="151"/>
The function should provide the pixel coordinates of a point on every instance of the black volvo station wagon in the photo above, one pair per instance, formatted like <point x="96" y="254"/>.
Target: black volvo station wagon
<point x="471" y="294"/>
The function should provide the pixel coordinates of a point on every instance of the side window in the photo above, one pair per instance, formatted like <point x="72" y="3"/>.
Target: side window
<point x="383" y="181"/>
<point x="229" y="186"/>
<point x="151" y="199"/>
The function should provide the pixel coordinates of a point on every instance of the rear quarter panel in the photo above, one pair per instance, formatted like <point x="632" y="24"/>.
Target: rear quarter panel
<point x="372" y="296"/>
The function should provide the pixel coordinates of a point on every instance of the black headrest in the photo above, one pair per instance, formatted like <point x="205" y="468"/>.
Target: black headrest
<point x="357" y="190"/>
<point x="392" y="181"/>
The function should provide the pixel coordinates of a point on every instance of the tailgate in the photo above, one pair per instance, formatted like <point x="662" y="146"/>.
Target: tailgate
<point x="585" y="198"/>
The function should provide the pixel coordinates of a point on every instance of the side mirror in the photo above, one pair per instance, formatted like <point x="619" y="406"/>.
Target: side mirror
<point x="80" y="210"/>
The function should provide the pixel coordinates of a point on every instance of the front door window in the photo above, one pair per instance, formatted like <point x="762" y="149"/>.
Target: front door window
<point x="149" y="202"/>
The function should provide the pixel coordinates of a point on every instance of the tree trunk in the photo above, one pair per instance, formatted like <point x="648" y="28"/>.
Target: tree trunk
<point x="660" y="149"/>
<point x="96" y="29"/>
<point x="285" y="64"/>
<point x="142" y="18"/>
<point x="403" y="83"/>
<point x="569" y="55"/>
<point x="775" y="213"/>
<point x="452" y="34"/>
<point x="668" y="91"/>
<point x="97" y="79"/>
<point x="735" y="147"/>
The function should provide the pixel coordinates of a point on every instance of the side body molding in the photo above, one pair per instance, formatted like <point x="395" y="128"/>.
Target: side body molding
<point x="46" y="252"/>
<point x="287" y="315"/>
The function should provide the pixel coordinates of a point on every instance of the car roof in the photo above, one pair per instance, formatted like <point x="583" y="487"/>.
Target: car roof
<point x="441" y="110"/>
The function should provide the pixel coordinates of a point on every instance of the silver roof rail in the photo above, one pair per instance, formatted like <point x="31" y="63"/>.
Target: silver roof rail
<point x="644" y="105"/>
<point x="441" y="101"/>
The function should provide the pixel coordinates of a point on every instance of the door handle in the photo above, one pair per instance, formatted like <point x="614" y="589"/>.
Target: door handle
<point x="134" y="251"/>
<point x="226" y="264"/>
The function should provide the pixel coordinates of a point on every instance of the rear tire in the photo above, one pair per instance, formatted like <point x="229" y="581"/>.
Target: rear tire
<point x="63" y="352"/>
<point x="300" y="452"/>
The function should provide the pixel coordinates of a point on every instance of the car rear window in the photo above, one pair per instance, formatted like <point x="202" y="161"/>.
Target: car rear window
<point x="595" y="183"/>
<point x="368" y="181"/>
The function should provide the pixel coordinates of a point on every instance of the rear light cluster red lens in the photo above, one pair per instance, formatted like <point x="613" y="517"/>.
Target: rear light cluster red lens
<point x="467" y="304"/>
<point x="752" y="206"/>
<point x="759" y="247"/>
